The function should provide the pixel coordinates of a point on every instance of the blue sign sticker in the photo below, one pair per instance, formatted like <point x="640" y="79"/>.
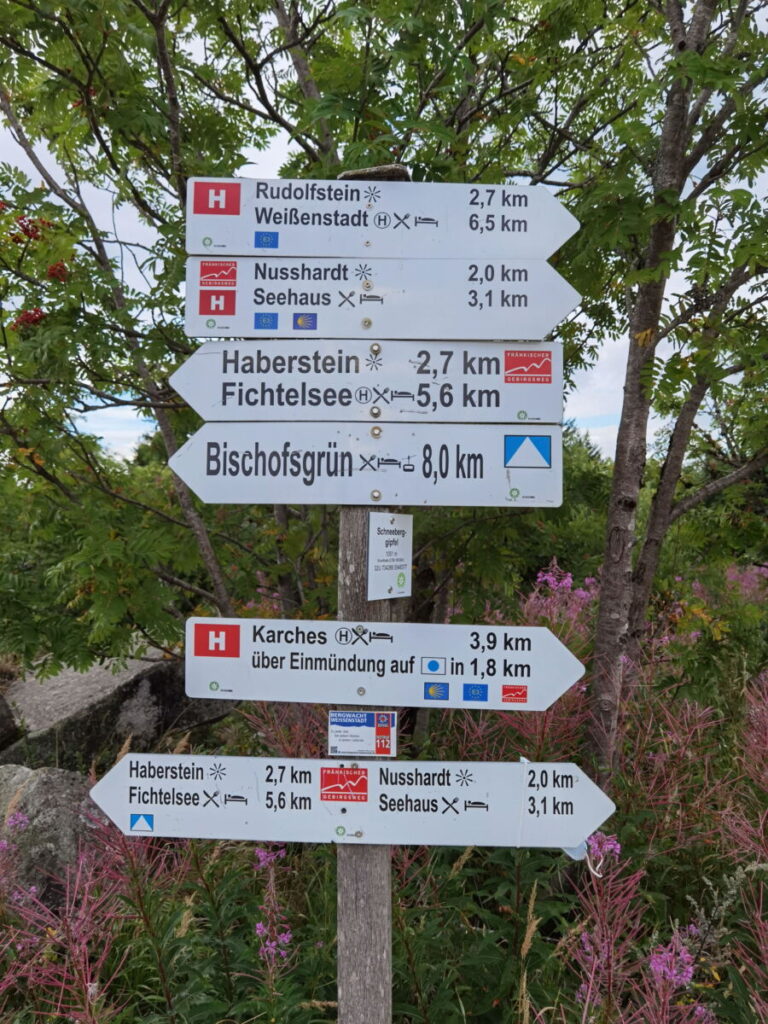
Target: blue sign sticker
<point x="476" y="691"/>
<point x="305" y="321"/>
<point x="266" y="240"/>
<point x="351" y="718"/>
<point x="142" y="822"/>
<point x="434" y="666"/>
<point x="435" y="691"/>
<point x="265" y="321"/>
<point x="527" y="451"/>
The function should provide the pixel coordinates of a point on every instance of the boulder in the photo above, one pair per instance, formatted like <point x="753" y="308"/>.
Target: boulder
<point x="9" y="727"/>
<point x="71" y="718"/>
<point x="44" y="814"/>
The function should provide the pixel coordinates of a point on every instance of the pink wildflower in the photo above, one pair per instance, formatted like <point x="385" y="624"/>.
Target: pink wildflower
<point x="672" y="963"/>
<point x="601" y="846"/>
<point x="703" y="1015"/>
<point x="265" y="857"/>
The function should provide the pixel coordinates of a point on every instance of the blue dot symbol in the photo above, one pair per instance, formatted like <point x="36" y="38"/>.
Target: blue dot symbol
<point x="433" y="665"/>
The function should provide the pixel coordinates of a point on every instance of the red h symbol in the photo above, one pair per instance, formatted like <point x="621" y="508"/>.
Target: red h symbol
<point x="216" y="303"/>
<point x="216" y="197"/>
<point x="214" y="640"/>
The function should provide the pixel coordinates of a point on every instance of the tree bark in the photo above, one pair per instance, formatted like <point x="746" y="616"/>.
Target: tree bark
<point x="616" y="581"/>
<point x="659" y="521"/>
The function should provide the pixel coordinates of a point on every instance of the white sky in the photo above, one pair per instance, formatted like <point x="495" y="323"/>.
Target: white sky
<point x="597" y="389"/>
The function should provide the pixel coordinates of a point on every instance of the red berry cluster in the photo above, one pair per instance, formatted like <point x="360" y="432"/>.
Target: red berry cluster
<point x="28" y="318"/>
<point x="58" y="271"/>
<point x="30" y="228"/>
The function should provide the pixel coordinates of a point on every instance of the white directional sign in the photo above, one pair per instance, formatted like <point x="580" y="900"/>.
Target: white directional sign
<point x="445" y="803"/>
<point x="249" y="216"/>
<point x="391" y="381"/>
<point x="374" y="298"/>
<point x="387" y="464"/>
<point x="406" y="664"/>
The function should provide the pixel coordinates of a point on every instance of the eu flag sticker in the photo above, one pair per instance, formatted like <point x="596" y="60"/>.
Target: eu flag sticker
<point x="435" y="691"/>
<point x="434" y="666"/>
<point x="266" y="240"/>
<point x="142" y="823"/>
<point x="528" y="451"/>
<point x="475" y="691"/>
<point x="265" y="321"/>
<point x="305" y="321"/>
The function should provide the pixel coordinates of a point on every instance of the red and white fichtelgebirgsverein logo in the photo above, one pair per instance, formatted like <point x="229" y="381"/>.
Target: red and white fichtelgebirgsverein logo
<point x="218" y="302"/>
<point x="514" y="693"/>
<point x="216" y="640"/>
<point x="527" y="366"/>
<point x="216" y="197"/>
<point x="349" y="785"/>
<point x="218" y="273"/>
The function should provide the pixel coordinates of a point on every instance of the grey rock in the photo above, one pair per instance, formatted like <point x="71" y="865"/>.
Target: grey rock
<point x="59" y="813"/>
<point x="73" y="717"/>
<point x="9" y="728"/>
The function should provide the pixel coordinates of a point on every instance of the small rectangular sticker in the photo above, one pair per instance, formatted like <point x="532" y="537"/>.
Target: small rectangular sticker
<point x="362" y="733"/>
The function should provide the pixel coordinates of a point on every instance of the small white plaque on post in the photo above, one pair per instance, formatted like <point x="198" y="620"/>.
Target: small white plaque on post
<point x="362" y="733"/>
<point x="390" y="550"/>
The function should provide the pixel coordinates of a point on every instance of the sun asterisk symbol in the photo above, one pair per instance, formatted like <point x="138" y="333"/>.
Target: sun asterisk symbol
<point x="362" y="270"/>
<point x="218" y="771"/>
<point x="372" y="193"/>
<point x="373" y="362"/>
<point x="463" y="777"/>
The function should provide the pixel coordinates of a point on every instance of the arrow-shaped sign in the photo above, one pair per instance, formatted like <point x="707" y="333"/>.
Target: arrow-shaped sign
<point x="448" y="803"/>
<point x="246" y="216"/>
<point x="389" y="381"/>
<point x="374" y="298"/>
<point x="406" y="664"/>
<point x="389" y="464"/>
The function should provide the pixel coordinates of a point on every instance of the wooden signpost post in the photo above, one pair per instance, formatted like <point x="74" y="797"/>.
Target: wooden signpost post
<point x="364" y="873"/>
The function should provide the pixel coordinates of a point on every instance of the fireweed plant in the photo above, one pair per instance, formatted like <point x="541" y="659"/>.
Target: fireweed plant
<point x="664" y="924"/>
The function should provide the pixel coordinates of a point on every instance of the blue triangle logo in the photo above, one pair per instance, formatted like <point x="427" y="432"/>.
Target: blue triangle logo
<point x="142" y="823"/>
<point x="527" y="451"/>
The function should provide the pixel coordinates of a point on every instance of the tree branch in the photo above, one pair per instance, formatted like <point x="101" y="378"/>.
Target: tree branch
<point x="716" y="486"/>
<point x="261" y="91"/>
<point x="304" y="77"/>
<point x="174" y="110"/>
